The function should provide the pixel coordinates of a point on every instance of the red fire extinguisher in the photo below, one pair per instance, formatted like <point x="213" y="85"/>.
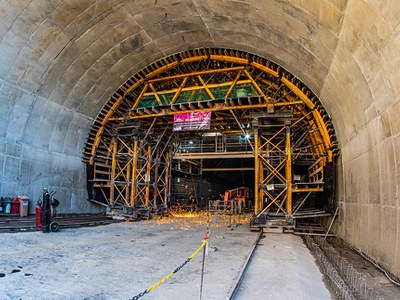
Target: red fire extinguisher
<point x="39" y="212"/>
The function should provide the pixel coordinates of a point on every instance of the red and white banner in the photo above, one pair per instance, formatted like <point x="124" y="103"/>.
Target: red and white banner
<point x="192" y="121"/>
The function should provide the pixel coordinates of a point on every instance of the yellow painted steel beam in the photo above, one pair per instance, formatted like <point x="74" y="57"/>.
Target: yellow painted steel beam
<point x="233" y="59"/>
<point x="315" y="136"/>
<point x="147" y="176"/>
<point x="274" y="171"/>
<point x="228" y="93"/>
<point x="120" y="193"/>
<point x="167" y="177"/>
<point x="113" y="170"/>
<point x="119" y="100"/>
<point x="194" y="59"/>
<point x="322" y="127"/>
<point x="274" y="146"/>
<point x="306" y="190"/>
<point x="216" y="107"/>
<point x="179" y="90"/>
<point x="133" y="87"/>
<point x="264" y="69"/>
<point x="96" y="144"/>
<point x="256" y="86"/>
<point x="209" y="71"/>
<point x="134" y="173"/>
<point x="199" y="87"/>
<point x="257" y="208"/>
<point x="121" y="170"/>
<point x="298" y="92"/>
<point x="155" y="94"/>
<point x="269" y="141"/>
<point x="210" y="94"/>
<point x="319" y="137"/>
<point x="139" y="98"/>
<point x="162" y="69"/>
<point x="156" y="174"/>
<point x="311" y="105"/>
<point x="128" y="179"/>
<point x="330" y="156"/>
<point x="274" y="200"/>
<point x="261" y="195"/>
<point x="288" y="171"/>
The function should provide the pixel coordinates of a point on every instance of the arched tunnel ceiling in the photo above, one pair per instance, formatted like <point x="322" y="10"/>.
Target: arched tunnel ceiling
<point x="60" y="61"/>
<point x="77" y="53"/>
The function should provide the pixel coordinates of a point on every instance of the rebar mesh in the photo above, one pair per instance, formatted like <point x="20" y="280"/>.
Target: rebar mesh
<point x="346" y="282"/>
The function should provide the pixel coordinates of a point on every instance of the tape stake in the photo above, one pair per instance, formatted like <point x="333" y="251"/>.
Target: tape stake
<point x="174" y="272"/>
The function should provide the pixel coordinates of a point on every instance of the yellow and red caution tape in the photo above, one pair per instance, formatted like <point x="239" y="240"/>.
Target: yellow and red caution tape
<point x="148" y="290"/>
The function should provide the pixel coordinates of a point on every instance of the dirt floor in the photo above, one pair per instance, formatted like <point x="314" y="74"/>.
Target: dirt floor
<point x="118" y="261"/>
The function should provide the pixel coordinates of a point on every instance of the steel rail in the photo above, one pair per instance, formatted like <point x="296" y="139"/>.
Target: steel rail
<point x="235" y="288"/>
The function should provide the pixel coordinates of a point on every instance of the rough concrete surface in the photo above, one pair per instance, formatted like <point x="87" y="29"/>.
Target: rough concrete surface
<point x="283" y="268"/>
<point x="61" y="60"/>
<point x="120" y="260"/>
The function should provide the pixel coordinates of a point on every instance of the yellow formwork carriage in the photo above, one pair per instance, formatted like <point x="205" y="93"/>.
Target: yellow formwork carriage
<point x="131" y="144"/>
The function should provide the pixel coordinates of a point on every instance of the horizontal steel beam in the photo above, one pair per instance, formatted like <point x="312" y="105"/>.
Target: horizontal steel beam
<point x="214" y="155"/>
<point x="226" y="169"/>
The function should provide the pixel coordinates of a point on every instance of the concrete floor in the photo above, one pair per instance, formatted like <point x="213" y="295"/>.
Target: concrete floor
<point x="120" y="260"/>
<point x="282" y="268"/>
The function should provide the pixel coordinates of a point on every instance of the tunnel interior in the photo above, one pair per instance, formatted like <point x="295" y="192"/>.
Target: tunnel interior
<point x="195" y="124"/>
<point x="67" y="64"/>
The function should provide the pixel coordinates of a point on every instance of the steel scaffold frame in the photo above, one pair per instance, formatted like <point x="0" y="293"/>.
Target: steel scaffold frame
<point x="238" y="88"/>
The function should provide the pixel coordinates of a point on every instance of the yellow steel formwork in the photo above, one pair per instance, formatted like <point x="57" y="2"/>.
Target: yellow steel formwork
<point x="234" y="86"/>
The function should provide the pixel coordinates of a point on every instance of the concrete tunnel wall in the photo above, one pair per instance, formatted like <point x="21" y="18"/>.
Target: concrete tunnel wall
<point x="61" y="60"/>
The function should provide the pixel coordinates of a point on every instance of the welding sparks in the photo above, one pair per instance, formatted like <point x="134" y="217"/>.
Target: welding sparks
<point x="185" y="214"/>
<point x="187" y="220"/>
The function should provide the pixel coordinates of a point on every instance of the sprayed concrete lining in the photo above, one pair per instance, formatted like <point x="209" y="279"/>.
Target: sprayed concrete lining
<point x="60" y="61"/>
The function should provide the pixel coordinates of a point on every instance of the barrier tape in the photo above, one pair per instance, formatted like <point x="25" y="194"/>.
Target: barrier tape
<point x="172" y="273"/>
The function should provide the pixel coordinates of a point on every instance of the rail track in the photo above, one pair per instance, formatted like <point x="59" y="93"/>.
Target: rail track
<point x="344" y="280"/>
<point x="238" y="280"/>
<point x="16" y="224"/>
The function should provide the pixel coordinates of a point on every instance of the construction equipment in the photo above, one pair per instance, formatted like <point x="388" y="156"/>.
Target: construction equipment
<point x="252" y="109"/>
<point x="47" y="211"/>
<point x="241" y="196"/>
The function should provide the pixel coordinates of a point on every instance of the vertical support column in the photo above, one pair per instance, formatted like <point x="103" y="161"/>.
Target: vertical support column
<point x="288" y="169"/>
<point x="155" y="184"/>
<point x="113" y="169"/>
<point x="147" y="176"/>
<point x="257" y="208"/>
<point x="167" y="178"/>
<point x="134" y="173"/>
<point x="261" y="194"/>
<point x="128" y="181"/>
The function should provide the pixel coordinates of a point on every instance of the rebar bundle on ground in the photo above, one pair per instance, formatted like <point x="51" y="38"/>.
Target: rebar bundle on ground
<point x="346" y="282"/>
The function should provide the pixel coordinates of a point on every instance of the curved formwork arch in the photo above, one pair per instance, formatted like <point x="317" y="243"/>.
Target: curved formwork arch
<point x="132" y="145"/>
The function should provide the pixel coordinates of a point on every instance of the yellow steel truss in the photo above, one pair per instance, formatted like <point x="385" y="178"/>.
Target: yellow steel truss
<point x="232" y="85"/>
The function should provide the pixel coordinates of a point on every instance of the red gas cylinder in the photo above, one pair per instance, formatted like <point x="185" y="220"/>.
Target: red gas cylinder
<point x="39" y="212"/>
<point x="14" y="206"/>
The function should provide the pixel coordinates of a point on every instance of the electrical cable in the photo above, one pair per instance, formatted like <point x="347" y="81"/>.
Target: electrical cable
<point x="375" y="264"/>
